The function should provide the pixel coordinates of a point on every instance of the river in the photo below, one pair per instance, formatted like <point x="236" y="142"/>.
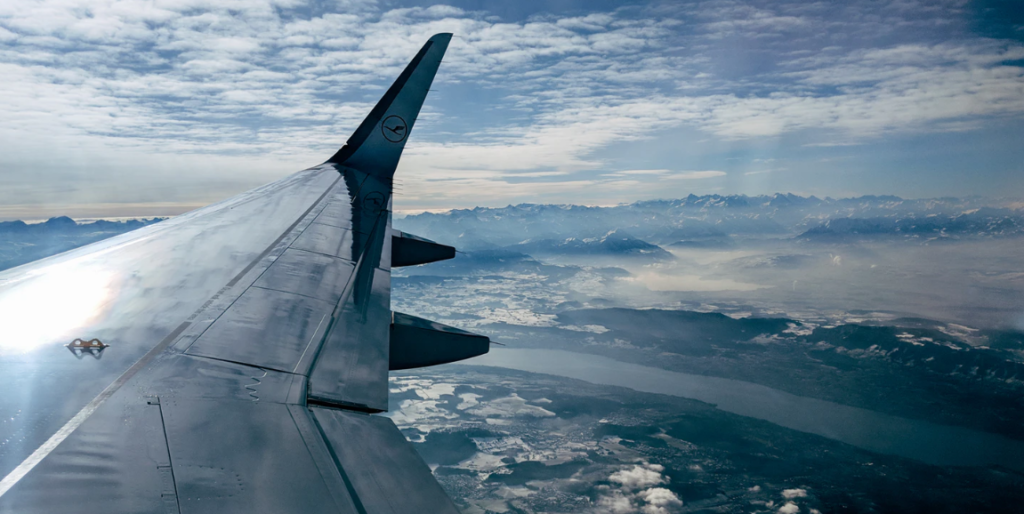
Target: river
<point x="927" y="442"/>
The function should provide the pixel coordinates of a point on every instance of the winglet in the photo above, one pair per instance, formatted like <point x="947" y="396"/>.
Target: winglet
<point x="377" y="144"/>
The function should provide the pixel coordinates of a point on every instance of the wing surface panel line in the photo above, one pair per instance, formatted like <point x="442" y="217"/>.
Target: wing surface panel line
<point x="252" y="265"/>
<point x="51" y="444"/>
<point x="307" y="367"/>
<point x="322" y="435"/>
<point x="323" y="456"/>
<point x="288" y="230"/>
<point x="314" y="252"/>
<point x="310" y="343"/>
<point x="346" y="184"/>
<point x="336" y="313"/>
<point x="170" y="460"/>
<point x="288" y="292"/>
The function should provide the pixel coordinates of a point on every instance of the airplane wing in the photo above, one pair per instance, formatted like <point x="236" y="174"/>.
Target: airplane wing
<point x="230" y="359"/>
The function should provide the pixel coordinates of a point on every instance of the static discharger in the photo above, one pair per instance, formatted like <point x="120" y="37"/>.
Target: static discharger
<point x="80" y="347"/>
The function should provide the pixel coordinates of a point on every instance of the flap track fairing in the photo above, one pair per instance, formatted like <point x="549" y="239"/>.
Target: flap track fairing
<point x="410" y="250"/>
<point x="418" y="342"/>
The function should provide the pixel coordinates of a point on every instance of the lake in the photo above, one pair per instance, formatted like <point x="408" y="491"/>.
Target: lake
<point x="927" y="442"/>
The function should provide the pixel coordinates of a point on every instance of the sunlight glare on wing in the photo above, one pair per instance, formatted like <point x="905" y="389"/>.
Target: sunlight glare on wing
<point x="51" y="306"/>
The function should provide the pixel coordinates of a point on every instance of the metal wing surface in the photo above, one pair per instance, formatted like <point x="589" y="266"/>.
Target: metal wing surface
<point x="229" y="359"/>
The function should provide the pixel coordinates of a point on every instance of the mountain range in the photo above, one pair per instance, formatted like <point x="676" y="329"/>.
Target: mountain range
<point x="617" y="244"/>
<point x="716" y="220"/>
<point x="22" y="242"/>
<point x="640" y="230"/>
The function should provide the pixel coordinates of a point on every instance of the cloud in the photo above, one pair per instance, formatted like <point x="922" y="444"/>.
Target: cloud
<point x="615" y="503"/>
<point x="669" y="280"/>
<point x="639" y="476"/>
<point x="668" y="174"/>
<point x="626" y="173"/>
<point x="789" y="494"/>
<point x="728" y="19"/>
<point x="659" y="500"/>
<point x="110" y="86"/>
<point x="696" y="175"/>
<point x="637" y="492"/>
<point x="789" y="508"/>
<point x="251" y="78"/>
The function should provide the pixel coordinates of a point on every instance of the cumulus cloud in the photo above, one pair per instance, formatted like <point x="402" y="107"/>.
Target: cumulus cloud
<point x="789" y="508"/>
<point x="659" y="500"/>
<point x="615" y="503"/>
<point x="638" y="492"/>
<point x="639" y="476"/>
<point x="789" y="494"/>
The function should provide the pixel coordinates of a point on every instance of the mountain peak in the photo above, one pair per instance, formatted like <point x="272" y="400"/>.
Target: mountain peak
<point x="60" y="222"/>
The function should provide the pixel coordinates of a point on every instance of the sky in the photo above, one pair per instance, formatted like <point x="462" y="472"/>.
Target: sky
<point x="157" y="107"/>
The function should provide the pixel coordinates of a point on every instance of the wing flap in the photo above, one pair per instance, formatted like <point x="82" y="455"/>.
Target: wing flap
<point x="182" y="454"/>
<point x="231" y="456"/>
<point x="352" y="367"/>
<point x="116" y="461"/>
<point x="384" y="470"/>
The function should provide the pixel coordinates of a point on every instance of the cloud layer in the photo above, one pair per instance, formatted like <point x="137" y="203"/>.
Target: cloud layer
<point x="180" y="103"/>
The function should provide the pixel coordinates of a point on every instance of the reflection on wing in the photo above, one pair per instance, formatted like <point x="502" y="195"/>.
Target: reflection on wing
<point x="245" y="347"/>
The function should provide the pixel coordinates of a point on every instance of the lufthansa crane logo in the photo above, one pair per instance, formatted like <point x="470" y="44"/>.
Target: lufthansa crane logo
<point x="373" y="201"/>
<point x="394" y="129"/>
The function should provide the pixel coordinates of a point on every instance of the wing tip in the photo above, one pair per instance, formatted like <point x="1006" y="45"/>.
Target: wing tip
<point x="436" y="46"/>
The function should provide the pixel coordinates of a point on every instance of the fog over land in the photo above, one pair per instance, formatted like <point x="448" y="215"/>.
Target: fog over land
<point x="872" y="257"/>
